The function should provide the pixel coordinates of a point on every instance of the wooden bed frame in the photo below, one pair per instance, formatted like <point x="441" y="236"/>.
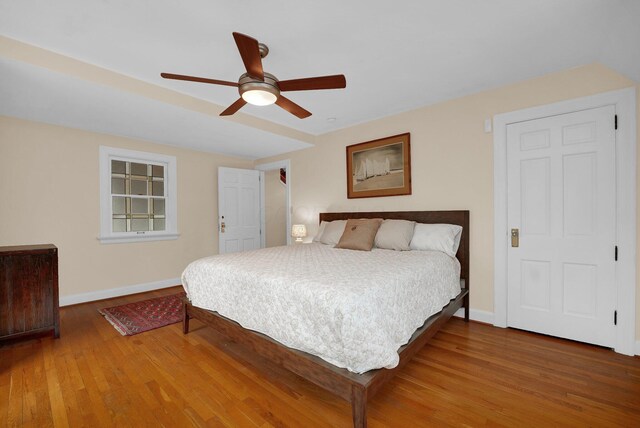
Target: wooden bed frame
<point x="355" y="388"/>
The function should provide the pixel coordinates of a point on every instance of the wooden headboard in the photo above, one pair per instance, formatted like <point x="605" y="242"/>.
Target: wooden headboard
<point x="460" y="218"/>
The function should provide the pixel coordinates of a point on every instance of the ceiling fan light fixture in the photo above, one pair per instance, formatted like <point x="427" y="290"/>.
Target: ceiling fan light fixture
<point x="259" y="92"/>
<point x="260" y="88"/>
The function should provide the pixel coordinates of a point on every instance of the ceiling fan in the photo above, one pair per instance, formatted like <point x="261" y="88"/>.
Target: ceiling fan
<point x="260" y="88"/>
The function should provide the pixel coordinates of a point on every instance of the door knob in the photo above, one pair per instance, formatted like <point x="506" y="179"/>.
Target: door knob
<point x="515" y="237"/>
<point x="222" y="227"/>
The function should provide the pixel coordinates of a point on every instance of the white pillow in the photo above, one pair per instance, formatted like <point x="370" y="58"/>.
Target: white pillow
<point x="332" y="232"/>
<point x="395" y="235"/>
<point x="316" y="238"/>
<point x="437" y="237"/>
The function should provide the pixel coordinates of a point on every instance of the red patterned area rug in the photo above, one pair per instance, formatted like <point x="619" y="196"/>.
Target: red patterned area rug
<point x="138" y="317"/>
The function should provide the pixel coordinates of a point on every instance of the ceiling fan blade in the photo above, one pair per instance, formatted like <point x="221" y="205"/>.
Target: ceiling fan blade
<point x="250" y="53"/>
<point x="292" y="107"/>
<point x="234" y="107"/>
<point x="198" y="79"/>
<point x="337" y="81"/>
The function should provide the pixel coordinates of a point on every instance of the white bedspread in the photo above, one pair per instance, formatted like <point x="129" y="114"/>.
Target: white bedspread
<point x="353" y="309"/>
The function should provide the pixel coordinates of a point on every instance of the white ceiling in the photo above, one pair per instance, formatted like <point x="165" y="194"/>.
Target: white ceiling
<point x="37" y="94"/>
<point x="396" y="55"/>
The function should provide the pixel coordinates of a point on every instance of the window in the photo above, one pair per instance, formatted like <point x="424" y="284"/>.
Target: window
<point x="137" y="196"/>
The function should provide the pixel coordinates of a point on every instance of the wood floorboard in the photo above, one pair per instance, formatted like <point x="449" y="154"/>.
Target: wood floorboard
<point x="469" y="375"/>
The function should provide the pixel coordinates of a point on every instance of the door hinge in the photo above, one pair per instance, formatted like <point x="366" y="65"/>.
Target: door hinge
<point x="615" y="121"/>
<point x="615" y="317"/>
<point x="615" y="256"/>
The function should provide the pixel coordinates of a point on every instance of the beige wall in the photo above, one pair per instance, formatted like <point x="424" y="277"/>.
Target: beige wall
<point x="275" y="208"/>
<point x="49" y="183"/>
<point x="451" y="157"/>
<point x="50" y="194"/>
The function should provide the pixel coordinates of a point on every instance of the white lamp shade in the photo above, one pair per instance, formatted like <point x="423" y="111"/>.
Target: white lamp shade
<point x="259" y="98"/>
<point x="298" y="231"/>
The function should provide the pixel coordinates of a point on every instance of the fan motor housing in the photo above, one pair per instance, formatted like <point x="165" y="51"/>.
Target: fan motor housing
<point x="248" y="83"/>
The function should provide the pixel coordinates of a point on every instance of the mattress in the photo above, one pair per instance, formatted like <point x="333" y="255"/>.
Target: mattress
<point x="354" y="309"/>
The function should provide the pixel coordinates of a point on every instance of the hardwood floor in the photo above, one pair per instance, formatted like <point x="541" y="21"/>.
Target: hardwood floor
<point x="469" y="375"/>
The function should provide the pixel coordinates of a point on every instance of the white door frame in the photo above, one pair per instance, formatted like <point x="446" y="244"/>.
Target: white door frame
<point x="286" y="164"/>
<point x="624" y="101"/>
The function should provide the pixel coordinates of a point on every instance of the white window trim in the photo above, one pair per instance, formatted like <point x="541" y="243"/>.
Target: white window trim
<point x="624" y="101"/>
<point x="107" y="236"/>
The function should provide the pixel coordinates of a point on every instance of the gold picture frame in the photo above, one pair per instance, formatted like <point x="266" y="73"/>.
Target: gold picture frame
<point x="379" y="168"/>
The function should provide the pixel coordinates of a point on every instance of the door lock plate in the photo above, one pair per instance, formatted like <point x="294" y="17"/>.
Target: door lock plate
<point x="515" y="237"/>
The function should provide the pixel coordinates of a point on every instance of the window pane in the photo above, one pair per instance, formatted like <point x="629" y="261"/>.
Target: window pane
<point x="118" y="167"/>
<point x="139" y="206"/>
<point x="157" y="171"/>
<point x="119" y="205"/>
<point x="158" y="206"/>
<point x="119" y="225"/>
<point x="158" y="188"/>
<point x="139" y="169"/>
<point x="117" y="186"/>
<point x="138" y="224"/>
<point x="138" y="187"/>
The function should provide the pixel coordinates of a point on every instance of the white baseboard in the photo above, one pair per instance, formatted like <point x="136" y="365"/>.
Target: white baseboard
<point x="476" y="315"/>
<point x="91" y="296"/>
<point x="487" y="317"/>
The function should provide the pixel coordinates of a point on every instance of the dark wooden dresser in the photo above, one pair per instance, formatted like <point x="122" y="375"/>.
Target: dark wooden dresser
<point x="29" y="304"/>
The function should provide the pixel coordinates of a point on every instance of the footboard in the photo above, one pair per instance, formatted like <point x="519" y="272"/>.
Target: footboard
<point x="355" y="388"/>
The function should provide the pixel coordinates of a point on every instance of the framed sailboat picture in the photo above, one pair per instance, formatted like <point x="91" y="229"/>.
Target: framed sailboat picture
<point x="379" y="168"/>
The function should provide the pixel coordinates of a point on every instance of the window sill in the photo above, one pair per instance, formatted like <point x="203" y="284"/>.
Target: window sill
<point x="138" y="238"/>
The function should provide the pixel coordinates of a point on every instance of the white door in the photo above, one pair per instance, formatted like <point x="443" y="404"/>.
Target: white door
<point x="561" y="198"/>
<point x="238" y="210"/>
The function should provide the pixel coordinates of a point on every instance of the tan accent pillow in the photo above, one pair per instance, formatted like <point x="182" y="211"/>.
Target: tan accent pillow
<point x="395" y="235"/>
<point x="359" y="234"/>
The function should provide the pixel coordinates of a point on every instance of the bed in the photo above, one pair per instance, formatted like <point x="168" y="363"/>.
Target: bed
<point x="343" y="374"/>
